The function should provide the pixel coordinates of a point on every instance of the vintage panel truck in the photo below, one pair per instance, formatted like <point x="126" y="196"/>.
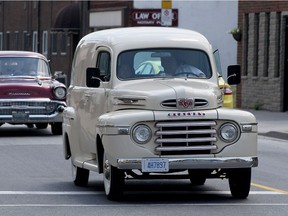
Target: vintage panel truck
<point x="144" y="102"/>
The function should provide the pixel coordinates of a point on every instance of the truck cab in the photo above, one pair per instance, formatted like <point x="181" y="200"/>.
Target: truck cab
<point x="145" y="101"/>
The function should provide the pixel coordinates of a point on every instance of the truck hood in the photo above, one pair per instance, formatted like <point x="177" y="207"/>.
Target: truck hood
<point x="25" y="87"/>
<point x="166" y="94"/>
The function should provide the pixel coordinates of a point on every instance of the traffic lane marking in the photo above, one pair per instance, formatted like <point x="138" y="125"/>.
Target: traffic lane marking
<point x="269" y="188"/>
<point x="270" y="192"/>
<point x="143" y="205"/>
<point x="101" y="193"/>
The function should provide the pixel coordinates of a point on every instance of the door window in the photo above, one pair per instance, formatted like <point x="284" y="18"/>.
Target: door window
<point x="104" y="64"/>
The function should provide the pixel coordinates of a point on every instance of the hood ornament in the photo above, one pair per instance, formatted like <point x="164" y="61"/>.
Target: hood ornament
<point x="185" y="103"/>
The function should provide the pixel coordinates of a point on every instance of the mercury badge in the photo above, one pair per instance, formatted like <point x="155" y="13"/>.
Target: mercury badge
<point x="185" y="103"/>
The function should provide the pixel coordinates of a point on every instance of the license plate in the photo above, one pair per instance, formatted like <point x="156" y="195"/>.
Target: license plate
<point x="155" y="165"/>
<point x="20" y="116"/>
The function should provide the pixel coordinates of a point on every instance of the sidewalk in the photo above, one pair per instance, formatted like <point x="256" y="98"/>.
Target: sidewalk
<point x="272" y="124"/>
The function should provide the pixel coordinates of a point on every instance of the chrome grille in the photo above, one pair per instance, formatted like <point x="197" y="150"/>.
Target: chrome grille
<point x="172" y="103"/>
<point x="185" y="137"/>
<point x="34" y="107"/>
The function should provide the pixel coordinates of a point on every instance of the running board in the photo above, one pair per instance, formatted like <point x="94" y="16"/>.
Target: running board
<point x="91" y="165"/>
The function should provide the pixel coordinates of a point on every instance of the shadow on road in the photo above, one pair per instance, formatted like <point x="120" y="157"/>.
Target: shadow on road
<point x="23" y="131"/>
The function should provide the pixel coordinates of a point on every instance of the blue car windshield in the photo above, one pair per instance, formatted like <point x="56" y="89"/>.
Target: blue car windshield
<point x="163" y="63"/>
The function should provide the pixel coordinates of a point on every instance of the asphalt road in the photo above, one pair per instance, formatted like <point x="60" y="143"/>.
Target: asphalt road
<point x="36" y="180"/>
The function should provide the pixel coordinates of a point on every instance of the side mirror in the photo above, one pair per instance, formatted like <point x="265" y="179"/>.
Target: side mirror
<point x="92" y="77"/>
<point x="234" y="74"/>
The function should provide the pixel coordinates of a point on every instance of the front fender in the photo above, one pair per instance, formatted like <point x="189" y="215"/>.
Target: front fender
<point x="120" y="122"/>
<point x="240" y="116"/>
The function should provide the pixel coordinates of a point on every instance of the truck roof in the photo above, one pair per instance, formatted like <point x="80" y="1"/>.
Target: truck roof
<point x="145" y="37"/>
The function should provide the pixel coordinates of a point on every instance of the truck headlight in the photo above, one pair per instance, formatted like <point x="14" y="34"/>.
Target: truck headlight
<point x="59" y="92"/>
<point x="142" y="134"/>
<point x="229" y="132"/>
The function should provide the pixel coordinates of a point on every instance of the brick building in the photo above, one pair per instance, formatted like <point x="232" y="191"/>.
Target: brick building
<point x="53" y="28"/>
<point x="263" y="55"/>
<point x="29" y="25"/>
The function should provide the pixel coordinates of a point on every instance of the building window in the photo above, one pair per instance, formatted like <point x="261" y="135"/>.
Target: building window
<point x="25" y="40"/>
<point x="245" y="46"/>
<point x="45" y="43"/>
<point x="256" y="44"/>
<point x="54" y="43"/>
<point x="278" y="49"/>
<point x="7" y="40"/>
<point x="63" y="43"/>
<point x="1" y="41"/>
<point x="35" y="41"/>
<point x="16" y="40"/>
<point x="266" y="45"/>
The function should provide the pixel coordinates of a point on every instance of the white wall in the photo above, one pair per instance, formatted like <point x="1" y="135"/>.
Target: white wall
<point x="214" y="19"/>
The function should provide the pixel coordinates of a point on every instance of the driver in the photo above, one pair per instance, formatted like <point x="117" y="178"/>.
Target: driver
<point x="169" y="64"/>
<point x="172" y="68"/>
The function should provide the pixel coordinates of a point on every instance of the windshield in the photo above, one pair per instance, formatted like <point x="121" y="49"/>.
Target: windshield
<point x="152" y="63"/>
<point x="23" y="66"/>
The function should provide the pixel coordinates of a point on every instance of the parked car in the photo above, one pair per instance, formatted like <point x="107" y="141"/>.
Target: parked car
<point x="28" y="92"/>
<point x="169" y="124"/>
<point x="227" y="93"/>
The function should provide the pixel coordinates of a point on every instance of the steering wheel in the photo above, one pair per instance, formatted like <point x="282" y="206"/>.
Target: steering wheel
<point x="188" y="74"/>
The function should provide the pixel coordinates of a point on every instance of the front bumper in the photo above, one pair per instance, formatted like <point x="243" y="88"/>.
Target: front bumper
<point x="19" y="111"/>
<point x="196" y="163"/>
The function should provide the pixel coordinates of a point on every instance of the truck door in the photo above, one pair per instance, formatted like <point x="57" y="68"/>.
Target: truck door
<point x="95" y="103"/>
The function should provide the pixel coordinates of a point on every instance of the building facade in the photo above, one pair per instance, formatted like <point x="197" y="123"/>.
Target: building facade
<point x="263" y="54"/>
<point x="54" y="28"/>
<point x="30" y="26"/>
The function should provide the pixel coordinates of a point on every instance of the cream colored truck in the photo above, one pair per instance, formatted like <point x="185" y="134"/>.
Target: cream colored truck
<point x="128" y="121"/>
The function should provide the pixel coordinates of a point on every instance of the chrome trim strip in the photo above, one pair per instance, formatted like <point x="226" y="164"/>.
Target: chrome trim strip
<point x="31" y="100"/>
<point x="55" y="117"/>
<point x="186" y="148"/>
<point x="207" y="131"/>
<point x="185" y="124"/>
<point x="179" y="140"/>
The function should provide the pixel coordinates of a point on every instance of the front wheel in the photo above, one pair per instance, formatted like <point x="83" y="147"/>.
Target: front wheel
<point x="80" y="176"/>
<point x="41" y="125"/>
<point x="56" y="128"/>
<point x="239" y="182"/>
<point x="197" y="177"/>
<point x="113" y="179"/>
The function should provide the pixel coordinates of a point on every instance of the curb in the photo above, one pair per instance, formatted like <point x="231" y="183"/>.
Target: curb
<point x="275" y="134"/>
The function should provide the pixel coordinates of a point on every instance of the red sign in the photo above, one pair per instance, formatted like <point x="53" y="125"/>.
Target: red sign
<point x="151" y="17"/>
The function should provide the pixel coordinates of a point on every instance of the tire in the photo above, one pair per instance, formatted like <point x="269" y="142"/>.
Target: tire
<point x="41" y="125"/>
<point x="30" y="125"/>
<point x="80" y="176"/>
<point x="197" y="177"/>
<point x="239" y="182"/>
<point x="56" y="128"/>
<point x="113" y="180"/>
